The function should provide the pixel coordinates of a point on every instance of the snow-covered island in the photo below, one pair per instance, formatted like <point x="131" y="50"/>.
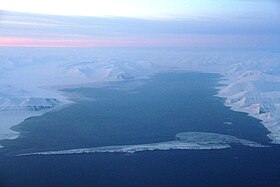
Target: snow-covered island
<point x="250" y="80"/>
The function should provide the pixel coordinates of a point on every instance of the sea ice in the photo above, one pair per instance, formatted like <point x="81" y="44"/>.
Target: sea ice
<point x="184" y="141"/>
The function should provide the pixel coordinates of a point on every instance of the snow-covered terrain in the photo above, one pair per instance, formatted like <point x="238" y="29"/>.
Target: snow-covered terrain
<point x="30" y="77"/>
<point x="27" y="104"/>
<point x="17" y="104"/>
<point x="184" y="141"/>
<point x="257" y="93"/>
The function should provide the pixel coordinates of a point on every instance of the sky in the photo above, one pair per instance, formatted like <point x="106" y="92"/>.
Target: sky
<point x="145" y="8"/>
<point x="91" y="23"/>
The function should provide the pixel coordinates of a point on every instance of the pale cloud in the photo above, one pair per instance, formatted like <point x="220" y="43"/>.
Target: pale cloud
<point x="244" y="29"/>
<point x="158" y="9"/>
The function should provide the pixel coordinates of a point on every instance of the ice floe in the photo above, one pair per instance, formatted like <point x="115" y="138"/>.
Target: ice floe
<point x="184" y="141"/>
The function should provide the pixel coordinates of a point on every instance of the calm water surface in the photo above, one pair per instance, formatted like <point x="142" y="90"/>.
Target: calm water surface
<point x="136" y="112"/>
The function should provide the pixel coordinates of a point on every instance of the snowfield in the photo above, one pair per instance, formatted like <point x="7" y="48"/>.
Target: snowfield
<point x="30" y="78"/>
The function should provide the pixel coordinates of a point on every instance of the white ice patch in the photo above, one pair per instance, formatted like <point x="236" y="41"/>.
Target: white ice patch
<point x="228" y="123"/>
<point x="184" y="141"/>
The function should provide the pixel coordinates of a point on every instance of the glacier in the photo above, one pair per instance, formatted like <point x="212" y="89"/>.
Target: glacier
<point x="184" y="141"/>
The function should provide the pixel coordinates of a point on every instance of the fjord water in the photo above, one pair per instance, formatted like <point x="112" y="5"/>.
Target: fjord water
<point x="138" y="112"/>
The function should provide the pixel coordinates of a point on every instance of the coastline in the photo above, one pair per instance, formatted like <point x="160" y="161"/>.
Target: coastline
<point x="255" y="102"/>
<point x="266" y="120"/>
<point x="235" y="100"/>
<point x="9" y="119"/>
<point x="13" y="118"/>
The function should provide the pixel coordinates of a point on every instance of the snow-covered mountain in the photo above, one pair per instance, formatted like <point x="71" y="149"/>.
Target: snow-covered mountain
<point x="28" y="104"/>
<point x="14" y="99"/>
<point x="258" y="94"/>
<point x="109" y="71"/>
<point x="18" y="104"/>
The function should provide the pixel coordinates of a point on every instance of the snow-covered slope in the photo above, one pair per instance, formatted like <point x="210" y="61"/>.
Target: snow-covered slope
<point x="27" y="104"/>
<point x="109" y="71"/>
<point x="17" y="104"/>
<point x="13" y="99"/>
<point x="258" y="94"/>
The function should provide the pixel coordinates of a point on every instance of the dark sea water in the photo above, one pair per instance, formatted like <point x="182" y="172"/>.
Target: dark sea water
<point x="137" y="112"/>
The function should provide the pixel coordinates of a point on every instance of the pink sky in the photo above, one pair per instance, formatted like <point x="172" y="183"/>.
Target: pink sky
<point x="185" y="41"/>
<point x="31" y="42"/>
